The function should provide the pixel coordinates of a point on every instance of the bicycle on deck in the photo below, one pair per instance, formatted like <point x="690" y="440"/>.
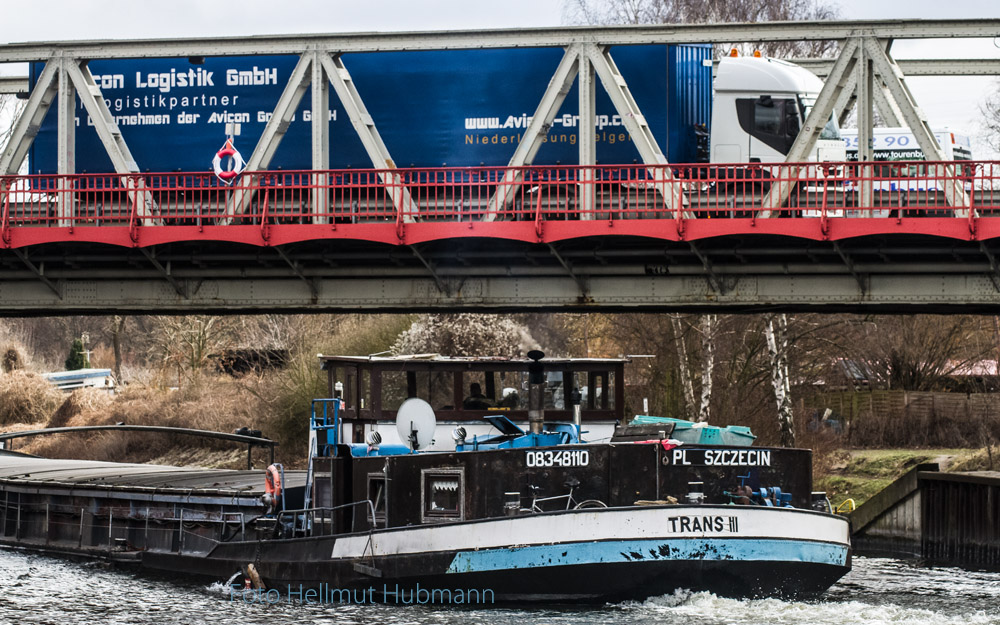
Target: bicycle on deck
<point x="571" y="502"/>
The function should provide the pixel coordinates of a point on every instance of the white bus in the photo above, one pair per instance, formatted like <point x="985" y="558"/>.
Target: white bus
<point x="899" y="144"/>
<point x="894" y="152"/>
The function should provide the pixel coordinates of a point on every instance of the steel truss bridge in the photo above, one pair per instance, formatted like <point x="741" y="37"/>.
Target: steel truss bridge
<point x="652" y="235"/>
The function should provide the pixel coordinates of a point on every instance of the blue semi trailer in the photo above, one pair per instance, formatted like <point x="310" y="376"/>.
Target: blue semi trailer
<point x="442" y="108"/>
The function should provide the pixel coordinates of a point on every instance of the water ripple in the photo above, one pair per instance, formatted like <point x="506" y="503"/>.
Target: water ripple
<point x="42" y="590"/>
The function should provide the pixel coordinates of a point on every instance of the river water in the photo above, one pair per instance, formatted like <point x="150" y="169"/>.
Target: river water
<point x="41" y="589"/>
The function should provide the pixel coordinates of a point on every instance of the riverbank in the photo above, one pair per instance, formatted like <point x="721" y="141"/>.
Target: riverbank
<point x="221" y="403"/>
<point x="860" y="473"/>
<point x="215" y="403"/>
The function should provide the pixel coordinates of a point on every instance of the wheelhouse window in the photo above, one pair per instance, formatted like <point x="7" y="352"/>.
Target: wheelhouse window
<point x="442" y="494"/>
<point x="434" y="387"/>
<point x="466" y="389"/>
<point x="597" y="389"/>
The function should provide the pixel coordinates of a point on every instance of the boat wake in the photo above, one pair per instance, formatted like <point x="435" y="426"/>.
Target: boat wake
<point x="220" y="588"/>
<point x="687" y="607"/>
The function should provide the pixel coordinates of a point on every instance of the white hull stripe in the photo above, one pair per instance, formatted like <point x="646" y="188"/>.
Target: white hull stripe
<point x="637" y="551"/>
<point x="614" y="524"/>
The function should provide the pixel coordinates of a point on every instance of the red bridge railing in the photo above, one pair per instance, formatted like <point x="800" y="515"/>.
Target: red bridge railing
<point x="688" y="195"/>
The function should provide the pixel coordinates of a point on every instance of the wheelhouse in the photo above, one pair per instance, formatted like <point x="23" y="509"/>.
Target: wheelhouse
<point x="373" y="388"/>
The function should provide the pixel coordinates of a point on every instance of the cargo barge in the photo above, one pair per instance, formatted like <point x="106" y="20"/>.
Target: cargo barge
<point x="524" y="511"/>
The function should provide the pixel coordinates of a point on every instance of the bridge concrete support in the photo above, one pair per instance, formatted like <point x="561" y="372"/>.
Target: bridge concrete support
<point x="889" y="522"/>
<point x="938" y="516"/>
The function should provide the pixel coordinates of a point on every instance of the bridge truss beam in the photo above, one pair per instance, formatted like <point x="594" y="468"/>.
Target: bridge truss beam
<point x="586" y="54"/>
<point x="317" y="70"/>
<point x="506" y="38"/>
<point x="918" y="67"/>
<point x="865" y="73"/>
<point x="290" y="281"/>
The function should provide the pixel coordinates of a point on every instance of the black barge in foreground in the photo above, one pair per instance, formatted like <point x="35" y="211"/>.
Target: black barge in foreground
<point x="512" y="515"/>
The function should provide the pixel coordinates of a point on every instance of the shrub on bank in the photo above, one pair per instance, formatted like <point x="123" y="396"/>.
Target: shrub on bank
<point x="26" y="398"/>
<point x="78" y="406"/>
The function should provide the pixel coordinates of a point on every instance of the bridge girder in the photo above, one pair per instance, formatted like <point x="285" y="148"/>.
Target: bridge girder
<point x="887" y="275"/>
<point x="694" y="293"/>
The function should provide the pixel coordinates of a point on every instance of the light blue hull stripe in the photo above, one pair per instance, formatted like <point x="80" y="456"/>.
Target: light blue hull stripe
<point x="571" y="554"/>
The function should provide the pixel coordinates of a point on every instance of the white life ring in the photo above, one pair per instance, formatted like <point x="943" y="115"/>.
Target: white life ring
<point x="228" y="175"/>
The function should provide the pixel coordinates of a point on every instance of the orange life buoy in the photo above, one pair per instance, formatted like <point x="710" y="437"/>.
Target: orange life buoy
<point x="272" y="482"/>
<point x="230" y="151"/>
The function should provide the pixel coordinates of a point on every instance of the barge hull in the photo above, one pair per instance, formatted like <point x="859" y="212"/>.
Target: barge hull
<point x="595" y="555"/>
<point x="649" y="561"/>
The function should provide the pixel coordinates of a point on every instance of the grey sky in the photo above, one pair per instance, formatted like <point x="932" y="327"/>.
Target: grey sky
<point x="127" y="19"/>
<point x="951" y="102"/>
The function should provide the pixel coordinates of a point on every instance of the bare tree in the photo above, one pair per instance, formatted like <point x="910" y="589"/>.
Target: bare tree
<point x="117" y="327"/>
<point x="687" y="386"/>
<point x="696" y="410"/>
<point x="710" y="11"/>
<point x="577" y="334"/>
<point x="10" y="109"/>
<point x="744" y="392"/>
<point x="466" y="335"/>
<point x="186" y="343"/>
<point x="916" y="352"/>
<point x="777" y="348"/>
<point x="991" y="118"/>
<point x="708" y="324"/>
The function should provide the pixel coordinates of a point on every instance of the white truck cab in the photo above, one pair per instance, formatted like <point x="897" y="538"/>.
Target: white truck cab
<point x="759" y="107"/>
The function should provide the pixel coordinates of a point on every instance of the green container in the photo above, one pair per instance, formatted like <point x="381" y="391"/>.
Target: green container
<point x="701" y="433"/>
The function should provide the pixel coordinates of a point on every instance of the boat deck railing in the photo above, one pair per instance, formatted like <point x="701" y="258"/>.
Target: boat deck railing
<point x="307" y="521"/>
<point x="122" y="528"/>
